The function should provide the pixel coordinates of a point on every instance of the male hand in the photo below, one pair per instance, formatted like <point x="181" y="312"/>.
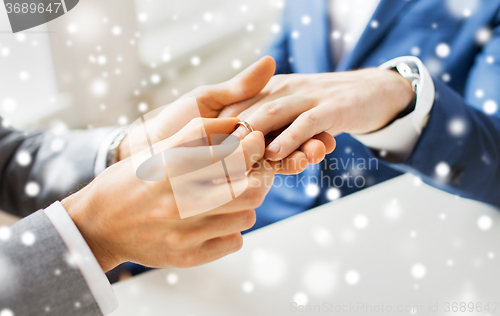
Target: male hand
<point x="299" y="107"/>
<point x="212" y="99"/>
<point x="123" y="218"/>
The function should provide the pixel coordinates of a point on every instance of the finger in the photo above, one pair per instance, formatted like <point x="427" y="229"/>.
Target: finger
<point x="236" y="109"/>
<point x="276" y="114"/>
<point x="217" y="248"/>
<point x="252" y="190"/>
<point x="307" y="125"/>
<point x="253" y="148"/>
<point x="213" y="226"/>
<point x="314" y="150"/>
<point x="328" y="140"/>
<point x="293" y="164"/>
<point x="243" y="86"/>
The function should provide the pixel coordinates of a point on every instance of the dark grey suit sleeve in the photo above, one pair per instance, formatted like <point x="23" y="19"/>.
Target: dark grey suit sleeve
<point x="60" y="165"/>
<point x="36" y="277"/>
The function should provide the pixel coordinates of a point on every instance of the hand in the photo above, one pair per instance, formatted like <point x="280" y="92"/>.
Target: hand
<point x="123" y="218"/>
<point x="302" y="107"/>
<point x="212" y="99"/>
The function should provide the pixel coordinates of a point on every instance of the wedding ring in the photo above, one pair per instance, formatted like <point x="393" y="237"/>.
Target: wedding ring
<point x="246" y="125"/>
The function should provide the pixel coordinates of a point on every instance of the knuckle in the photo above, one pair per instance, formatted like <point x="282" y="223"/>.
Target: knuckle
<point x="175" y="239"/>
<point x="310" y="118"/>
<point x="271" y="108"/>
<point x="293" y="135"/>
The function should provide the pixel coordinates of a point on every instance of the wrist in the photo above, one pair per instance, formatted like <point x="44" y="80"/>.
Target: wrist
<point x="80" y="211"/>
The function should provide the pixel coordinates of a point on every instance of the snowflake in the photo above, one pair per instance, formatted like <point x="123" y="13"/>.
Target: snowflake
<point x="236" y="64"/>
<point x="483" y="36"/>
<point x="415" y="51"/>
<point x="72" y="28"/>
<point x="155" y="79"/>
<point x="208" y="16"/>
<point x="248" y="287"/>
<point x="172" y="278"/>
<point x="275" y="28"/>
<point x="333" y="194"/>
<point x="352" y="277"/>
<point x="9" y="105"/>
<point x="5" y="233"/>
<point x="99" y="87"/>
<point x="32" y="189"/>
<point x="142" y="17"/>
<point x="5" y="51"/>
<point x="442" y="169"/>
<point x="301" y="298"/>
<point x="457" y="127"/>
<point x="490" y="107"/>
<point x="479" y="93"/>
<point x="443" y="50"/>
<point x="116" y="30"/>
<point x="485" y="222"/>
<point x="446" y="77"/>
<point x="143" y="107"/>
<point x="23" y="158"/>
<point x="195" y="61"/>
<point x="360" y="221"/>
<point x="122" y="120"/>
<point x="295" y="34"/>
<point x="102" y="60"/>
<point x="28" y="238"/>
<point x="374" y="24"/>
<point x="312" y="190"/>
<point x="6" y="312"/>
<point x="322" y="236"/>
<point x="306" y="20"/>
<point x="418" y="271"/>
<point x="24" y="75"/>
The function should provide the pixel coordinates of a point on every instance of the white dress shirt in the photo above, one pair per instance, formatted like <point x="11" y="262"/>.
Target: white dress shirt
<point x="348" y="19"/>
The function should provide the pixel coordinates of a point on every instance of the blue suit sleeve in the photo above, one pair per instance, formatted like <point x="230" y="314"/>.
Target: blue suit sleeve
<point x="473" y="154"/>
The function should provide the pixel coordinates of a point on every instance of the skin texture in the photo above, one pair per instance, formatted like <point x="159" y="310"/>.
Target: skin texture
<point x="244" y="87"/>
<point x="300" y="107"/>
<point x="123" y="218"/>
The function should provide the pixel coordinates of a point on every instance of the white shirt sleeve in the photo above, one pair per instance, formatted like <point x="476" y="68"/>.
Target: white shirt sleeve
<point x="102" y="153"/>
<point x="81" y="255"/>
<point x="399" y="138"/>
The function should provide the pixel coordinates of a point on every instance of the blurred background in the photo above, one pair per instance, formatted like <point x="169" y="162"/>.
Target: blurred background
<point x="106" y="62"/>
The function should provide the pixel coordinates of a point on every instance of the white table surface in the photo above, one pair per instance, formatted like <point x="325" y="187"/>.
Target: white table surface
<point x="402" y="244"/>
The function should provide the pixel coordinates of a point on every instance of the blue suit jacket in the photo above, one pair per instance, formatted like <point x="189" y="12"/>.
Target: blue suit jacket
<point x="474" y="157"/>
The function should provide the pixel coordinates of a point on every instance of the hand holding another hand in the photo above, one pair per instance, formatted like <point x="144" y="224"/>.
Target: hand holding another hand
<point x="301" y="107"/>
<point x="123" y="218"/>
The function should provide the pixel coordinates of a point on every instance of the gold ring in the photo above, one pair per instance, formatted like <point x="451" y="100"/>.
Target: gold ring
<point x="246" y="125"/>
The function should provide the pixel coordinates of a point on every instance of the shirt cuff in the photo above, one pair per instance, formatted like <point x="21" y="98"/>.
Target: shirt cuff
<point x="102" y="153"/>
<point x="83" y="258"/>
<point x="399" y="138"/>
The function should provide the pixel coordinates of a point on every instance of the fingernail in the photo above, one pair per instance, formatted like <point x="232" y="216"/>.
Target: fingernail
<point x="274" y="148"/>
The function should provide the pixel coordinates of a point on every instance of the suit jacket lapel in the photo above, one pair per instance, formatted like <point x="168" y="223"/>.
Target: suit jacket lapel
<point x="385" y="14"/>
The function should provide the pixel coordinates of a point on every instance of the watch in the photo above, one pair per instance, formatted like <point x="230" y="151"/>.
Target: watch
<point x="410" y="72"/>
<point x="111" y="156"/>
